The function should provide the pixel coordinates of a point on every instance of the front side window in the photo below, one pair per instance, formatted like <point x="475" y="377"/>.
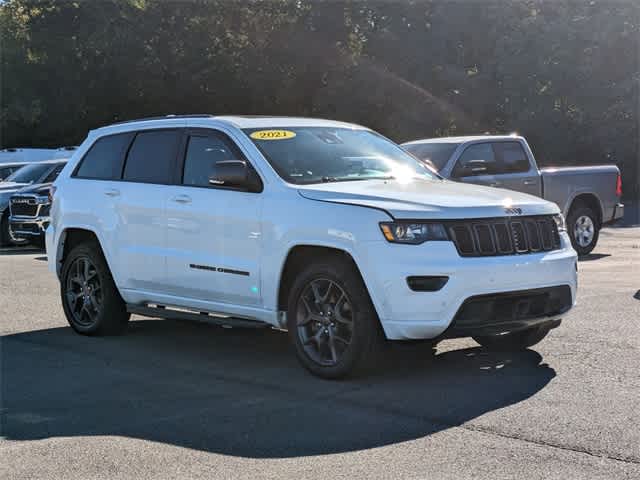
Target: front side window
<point x="152" y="157"/>
<point x="104" y="159"/>
<point x="305" y="155"/>
<point x="477" y="159"/>
<point x="203" y="151"/>
<point x="29" y="173"/>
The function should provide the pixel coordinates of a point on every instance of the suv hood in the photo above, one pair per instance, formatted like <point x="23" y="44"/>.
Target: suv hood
<point x="38" y="189"/>
<point x="429" y="199"/>
<point x="11" y="186"/>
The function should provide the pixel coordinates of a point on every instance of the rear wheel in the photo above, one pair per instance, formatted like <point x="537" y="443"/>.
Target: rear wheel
<point x="90" y="299"/>
<point x="331" y="320"/>
<point x="584" y="229"/>
<point x="514" y="341"/>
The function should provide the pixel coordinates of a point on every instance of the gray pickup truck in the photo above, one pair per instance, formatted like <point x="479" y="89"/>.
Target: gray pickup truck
<point x="589" y="197"/>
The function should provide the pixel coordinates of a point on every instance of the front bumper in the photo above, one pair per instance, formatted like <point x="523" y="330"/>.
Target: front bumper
<point x="407" y="314"/>
<point x="28" y="228"/>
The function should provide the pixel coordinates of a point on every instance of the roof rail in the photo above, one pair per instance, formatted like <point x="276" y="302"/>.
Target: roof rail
<point x="165" y="117"/>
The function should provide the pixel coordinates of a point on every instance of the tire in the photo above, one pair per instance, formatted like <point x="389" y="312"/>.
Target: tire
<point x="104" y="313"/>
<point x="6" y="239"/>
<point x="584" y="229"/>
<point x="514" y="341"/>
<point x="345" y="315"/>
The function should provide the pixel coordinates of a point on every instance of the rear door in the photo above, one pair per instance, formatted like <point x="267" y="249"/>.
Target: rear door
<point x="515" y="171"/>
<point x="141" y="224"/>
<point x="214" y="233"/>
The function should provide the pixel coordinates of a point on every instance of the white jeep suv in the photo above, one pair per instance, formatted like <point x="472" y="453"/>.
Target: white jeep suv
<point x="322" y="228"/>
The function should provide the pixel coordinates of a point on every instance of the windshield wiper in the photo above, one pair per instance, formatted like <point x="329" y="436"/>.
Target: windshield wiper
<point x="355" y="179"/>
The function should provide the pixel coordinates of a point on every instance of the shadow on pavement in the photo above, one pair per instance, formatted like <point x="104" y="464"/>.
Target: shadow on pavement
<point x="593" y="256"/>
<point x="19" y="251"/>
<point x="241" y="392"/>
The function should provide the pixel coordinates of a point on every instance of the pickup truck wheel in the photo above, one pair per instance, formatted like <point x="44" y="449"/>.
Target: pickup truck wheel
<point x="90" y="299"/>
<point x="583" y="227"/>
<point x="514" y="341"/>
<point x="331" y="320"/>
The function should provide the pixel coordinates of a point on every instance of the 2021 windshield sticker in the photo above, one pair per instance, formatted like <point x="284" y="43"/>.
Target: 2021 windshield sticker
<point x="273" y="135"/>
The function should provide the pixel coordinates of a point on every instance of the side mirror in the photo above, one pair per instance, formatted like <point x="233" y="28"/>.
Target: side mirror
<point x="236" y="174"/>
<point x="472" y="168"/>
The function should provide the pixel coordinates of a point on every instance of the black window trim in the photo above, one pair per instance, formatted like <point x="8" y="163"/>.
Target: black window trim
<point x="207" y="132"/>
<point x="490" y="142"/>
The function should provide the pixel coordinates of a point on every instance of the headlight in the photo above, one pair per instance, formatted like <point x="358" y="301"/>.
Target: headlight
<point x="413" y="233"/>
<point x="560" y="223"/>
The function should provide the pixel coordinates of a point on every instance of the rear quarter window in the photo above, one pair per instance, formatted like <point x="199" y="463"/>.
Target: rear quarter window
<point x="105" y="158"/>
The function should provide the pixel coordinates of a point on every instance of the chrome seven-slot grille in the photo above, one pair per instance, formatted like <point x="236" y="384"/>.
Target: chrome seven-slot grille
<point x="24" y="206"/>
<point x="504" y="236"/>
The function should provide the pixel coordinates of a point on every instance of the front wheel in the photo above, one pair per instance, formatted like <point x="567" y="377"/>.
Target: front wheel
<point x="513" y="341"/>
<point x="331" y="320"/>
<point x="90" y="299"/>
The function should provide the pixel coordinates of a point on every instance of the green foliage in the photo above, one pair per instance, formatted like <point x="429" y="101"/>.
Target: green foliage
<point x="563" y="73"/>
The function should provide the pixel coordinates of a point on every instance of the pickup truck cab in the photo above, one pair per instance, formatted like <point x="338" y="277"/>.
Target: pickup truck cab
<point x="589" y="197"/>
<point x="324" y="229"/>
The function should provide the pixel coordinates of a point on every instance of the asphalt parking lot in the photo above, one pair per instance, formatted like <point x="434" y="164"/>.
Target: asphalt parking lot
<point x="183" y="400"/>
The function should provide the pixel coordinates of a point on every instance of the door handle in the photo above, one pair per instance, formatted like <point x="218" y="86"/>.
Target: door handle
<point x="112" y="192"/>
<point x="182" y="199"/>
<point x="495" y="184"/>
<point x="530" y="182"/>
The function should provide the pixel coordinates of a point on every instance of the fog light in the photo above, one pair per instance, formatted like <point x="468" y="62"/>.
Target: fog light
<point x="426" y="284"/>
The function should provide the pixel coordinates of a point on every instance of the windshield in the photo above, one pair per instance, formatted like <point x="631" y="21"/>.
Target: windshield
<point x="29" y="173"/>
<point x="437" y="154"/>
<point x="304" y="155"/>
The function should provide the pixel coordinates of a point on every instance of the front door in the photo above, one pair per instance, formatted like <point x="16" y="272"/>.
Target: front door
<point x="501" y="164"/>
<point x="213" y="233"/>
<point x="515" y="171"/>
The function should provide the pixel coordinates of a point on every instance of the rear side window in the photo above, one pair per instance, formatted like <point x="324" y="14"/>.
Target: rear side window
<point x="511" y="157"/>
<point x="152" y="157"/>
<point x="105" y="158"/>
<point x="200" y="160"/>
